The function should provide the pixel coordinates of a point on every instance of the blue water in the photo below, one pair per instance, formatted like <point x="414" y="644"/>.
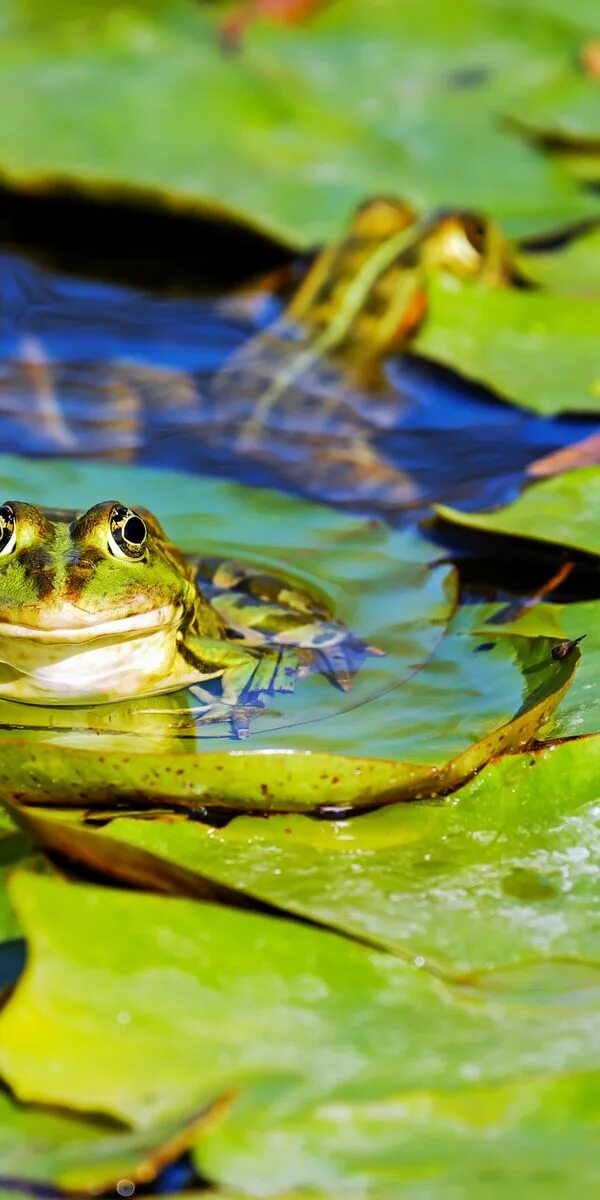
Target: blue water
<point x="101" y="371"/>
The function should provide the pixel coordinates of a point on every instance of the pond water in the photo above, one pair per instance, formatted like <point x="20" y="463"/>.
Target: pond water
<point x="119" y="376"/>
<point x="95" y="370"/>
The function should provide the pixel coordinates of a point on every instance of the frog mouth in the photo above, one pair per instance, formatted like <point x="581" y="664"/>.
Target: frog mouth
<point x="89" y="629"/>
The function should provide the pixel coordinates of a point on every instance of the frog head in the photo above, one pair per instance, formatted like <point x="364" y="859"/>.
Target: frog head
<point x="91" y="605"/>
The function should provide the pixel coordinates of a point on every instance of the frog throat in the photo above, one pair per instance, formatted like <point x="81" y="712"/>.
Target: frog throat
<point x="89" y="629"/>
<point x="113" y="660"/>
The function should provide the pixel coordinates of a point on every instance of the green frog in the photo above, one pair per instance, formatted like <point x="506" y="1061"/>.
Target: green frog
<point x="309" y="393"/>
<point x="99" y="606"/>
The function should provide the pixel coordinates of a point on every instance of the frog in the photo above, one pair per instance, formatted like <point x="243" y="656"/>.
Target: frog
<point x="309" y="393"/>
<point x="99" y="606"/>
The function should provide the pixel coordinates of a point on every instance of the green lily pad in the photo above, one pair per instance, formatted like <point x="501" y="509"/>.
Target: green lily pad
<point x="532" y="1138"/>
<point x="58" y="1149"/>
<point x="489" y="708"/>
<point x="419" y="719"/>
<point x="15" y="846"/>
<point x="564" y="107"/>
<point x="583" y="165"/>
<point x="578" y="713"/>
<point x="495" y="877"/>
<point x="288" y="135"/>
<point x="561" y="511"/>
<point x="573" y="270"/>
<point x="529" y="347"/>
<point x="226" y="1000"/>
<point x="579" y="14"/>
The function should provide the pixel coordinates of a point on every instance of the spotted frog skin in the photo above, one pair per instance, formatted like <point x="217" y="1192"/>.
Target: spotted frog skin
<point x="100" y="606"/>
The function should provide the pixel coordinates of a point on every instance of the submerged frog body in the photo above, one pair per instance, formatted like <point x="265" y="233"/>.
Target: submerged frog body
<point x="100" y="606"/>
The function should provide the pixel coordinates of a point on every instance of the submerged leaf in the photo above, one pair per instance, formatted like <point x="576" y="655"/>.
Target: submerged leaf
<point x="305" y="769"/>
<point x="420" y="718"/>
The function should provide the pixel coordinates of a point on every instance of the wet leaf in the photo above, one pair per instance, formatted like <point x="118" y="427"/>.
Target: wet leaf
<point x="533" y="348"/>
<point x="58" y="1149"/>
<point x="573" y="269"/>
<point x="578" y="714"/>
<point x="565" y="108"/>
<point x="532" y="1136"/>
<point x="306" y="123"/>
<point x="486" y="707"/>
<point x="285" y="1015"/>
<point x="497" y="876"/>
<point x="561" y="511"/>
<point x="420" y="718"/>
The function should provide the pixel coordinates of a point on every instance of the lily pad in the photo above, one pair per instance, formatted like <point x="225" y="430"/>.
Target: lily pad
<point x="561" y="511"/>
<point x="572" y="270"/>
<point x="291" y="133"/>
<point x="578" y="714"/>
<point x="58" y="1149"/>
<point x="496" y="710"/>
<point x="420" y="718"/>
<point x="564" y="107"/>
<point x="15" y="847"/>
<point x="222" y="1000"/>
<point x="478" y="1141"/>
<point x="493" y="878"/>
<point x="533" y="1137"/>
<point x="529" y="347"/>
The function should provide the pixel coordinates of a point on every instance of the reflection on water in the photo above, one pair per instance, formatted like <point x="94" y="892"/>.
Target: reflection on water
<point x="99" y="371"/>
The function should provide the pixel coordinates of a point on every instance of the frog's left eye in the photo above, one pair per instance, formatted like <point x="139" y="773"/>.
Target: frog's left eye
<point x="127" y="533"/>
<point x="8" y="529"/>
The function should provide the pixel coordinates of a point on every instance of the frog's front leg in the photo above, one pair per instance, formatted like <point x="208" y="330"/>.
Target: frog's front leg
<point x="249" y="673"/>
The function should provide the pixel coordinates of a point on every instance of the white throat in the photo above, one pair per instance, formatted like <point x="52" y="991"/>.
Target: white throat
<point x="108" y="664"/>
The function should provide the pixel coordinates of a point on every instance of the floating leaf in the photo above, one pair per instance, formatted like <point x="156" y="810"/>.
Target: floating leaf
<point x="572" y="270"/>
<point x="38" y="1146"/>
<point x="532" y="1137"/>
<point x="561" y="511"/>
<point x="532" y="348"/>
<point x="14" y="849"/>
<point x="420" y="718"/>
<point x="492" y="878"/>
<point x="578" y="714"/>
<point x="289" y="134"/>
<point x="305" y="769"/>
<point x="279" y="1012"/>
<point x="564" y="108"/>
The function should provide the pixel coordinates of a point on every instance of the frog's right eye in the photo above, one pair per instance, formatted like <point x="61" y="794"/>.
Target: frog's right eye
<point x="127" y="533"/>
<point x="8" y="529"/>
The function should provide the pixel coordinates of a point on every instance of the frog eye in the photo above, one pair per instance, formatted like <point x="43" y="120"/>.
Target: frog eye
<point x="8" y="529"/>
<point x="127" y="533"/>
